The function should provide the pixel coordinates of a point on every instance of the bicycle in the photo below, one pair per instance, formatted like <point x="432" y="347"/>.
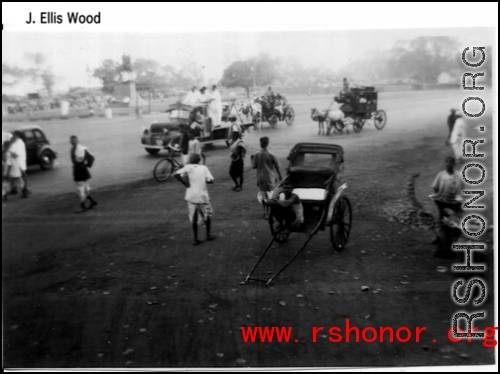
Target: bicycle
<point x="168" y="165"/>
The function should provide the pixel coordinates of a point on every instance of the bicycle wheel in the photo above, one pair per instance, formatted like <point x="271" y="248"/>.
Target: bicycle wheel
<point x="163" y="169"/>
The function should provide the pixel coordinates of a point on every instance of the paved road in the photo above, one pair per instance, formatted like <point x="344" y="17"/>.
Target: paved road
<point x="121" y="159"/>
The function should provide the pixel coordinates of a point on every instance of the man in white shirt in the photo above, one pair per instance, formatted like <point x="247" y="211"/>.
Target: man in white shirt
<point x="447" y="186"/>
<point x="12" y="178"/>
<point x="215" y="107"/>
<point x="234" y="128"/>
<point x="18" y="151"/>
<point x="192" y="97"/>
<point x="197" y="198"/>
<point x="205" y="97"/>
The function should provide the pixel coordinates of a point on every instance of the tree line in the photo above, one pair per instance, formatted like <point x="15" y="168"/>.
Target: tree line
<point x="420" y="60"/>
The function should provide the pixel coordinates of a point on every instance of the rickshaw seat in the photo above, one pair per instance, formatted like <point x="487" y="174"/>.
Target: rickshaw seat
<point x="310" y="194"/>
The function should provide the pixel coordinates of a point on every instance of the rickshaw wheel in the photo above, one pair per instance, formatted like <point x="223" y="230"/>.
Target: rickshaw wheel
<point x="273" y="121"/>
<point x="283" y="233"/>
<point x="380" y="119"/>
<point x="341" y="225"/>
<point x="163" y="169"/>
<point x="289" y="116"/>
<point x="358" y="124"/>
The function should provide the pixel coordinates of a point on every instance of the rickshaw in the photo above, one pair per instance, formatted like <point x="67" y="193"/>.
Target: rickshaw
<point x="314" y="172"/>
<point x="362" y="104"/>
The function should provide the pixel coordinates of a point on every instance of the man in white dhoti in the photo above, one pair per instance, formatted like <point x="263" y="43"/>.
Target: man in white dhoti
<point x="192" y="97"/>
<point x="457" y="137"/>
<point x="215" y="107"/>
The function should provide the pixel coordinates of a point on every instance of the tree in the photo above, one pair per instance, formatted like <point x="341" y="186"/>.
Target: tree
<point x="262" y="70"/>
<point x="149" y="74"/>
<point x="108" y="73"/>
<point x="238" y="74"/>
<point x="423" y="58"/>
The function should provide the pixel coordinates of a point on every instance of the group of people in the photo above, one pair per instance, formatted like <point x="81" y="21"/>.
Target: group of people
<point x="272" y="101"/>
<point x="195" y="177"/>
<point x="14" y="177"/>
<point x="14" y="164"/>
<point x="204" y="96"/>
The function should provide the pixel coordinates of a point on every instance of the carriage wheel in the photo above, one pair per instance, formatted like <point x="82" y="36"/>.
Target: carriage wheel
<point x="273" y="121"/>
<point x="276" y="227"/>
<point x="289" y="116"/>
<point x="358" y="124"/>
<point x="339" y="125"/>
<point x="163" y="169"/>
<point x="341" y="224"/>
<point x="380" y="119"/>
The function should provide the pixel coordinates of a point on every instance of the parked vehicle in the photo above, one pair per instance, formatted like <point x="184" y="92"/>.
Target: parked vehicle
<point x="38" y="148"/>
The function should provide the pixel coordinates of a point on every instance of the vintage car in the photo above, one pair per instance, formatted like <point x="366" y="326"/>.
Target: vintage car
<point x="38" y="149"/>
<point x="166" y="135"/>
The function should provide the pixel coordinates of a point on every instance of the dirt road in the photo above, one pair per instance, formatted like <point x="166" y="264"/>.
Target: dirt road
<point x="121" y="286"/>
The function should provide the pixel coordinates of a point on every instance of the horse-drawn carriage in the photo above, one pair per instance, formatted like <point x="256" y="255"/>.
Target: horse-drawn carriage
<point x="356" y="106"/>
<point x="314" y="173"/>
<point x="272" y="110"/>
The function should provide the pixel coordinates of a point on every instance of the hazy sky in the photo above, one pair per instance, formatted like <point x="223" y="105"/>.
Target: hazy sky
<point x="71" y="54"/>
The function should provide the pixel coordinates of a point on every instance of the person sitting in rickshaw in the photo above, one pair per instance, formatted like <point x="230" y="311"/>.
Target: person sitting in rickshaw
<point x="287" y="208"/>
<point x="280" y="103"/>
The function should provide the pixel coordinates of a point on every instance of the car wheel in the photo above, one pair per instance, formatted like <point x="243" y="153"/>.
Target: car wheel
<point x="46" y="160"/>
<point x="152" y="151"/>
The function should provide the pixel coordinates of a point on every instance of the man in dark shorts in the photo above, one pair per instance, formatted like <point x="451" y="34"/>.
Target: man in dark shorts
<point x="236" y="170"/>
<point x="82" y="160"/>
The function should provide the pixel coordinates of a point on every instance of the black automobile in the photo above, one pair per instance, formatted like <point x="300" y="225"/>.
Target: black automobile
<point x="38" y="149"/>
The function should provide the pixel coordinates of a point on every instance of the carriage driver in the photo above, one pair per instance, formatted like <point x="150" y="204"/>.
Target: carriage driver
<point x="344" y="98"/>
<point x="270" y="98"/>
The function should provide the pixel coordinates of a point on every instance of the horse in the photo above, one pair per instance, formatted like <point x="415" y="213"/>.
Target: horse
<point x="335" y="119"/>
<point x="321" y="118"/>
